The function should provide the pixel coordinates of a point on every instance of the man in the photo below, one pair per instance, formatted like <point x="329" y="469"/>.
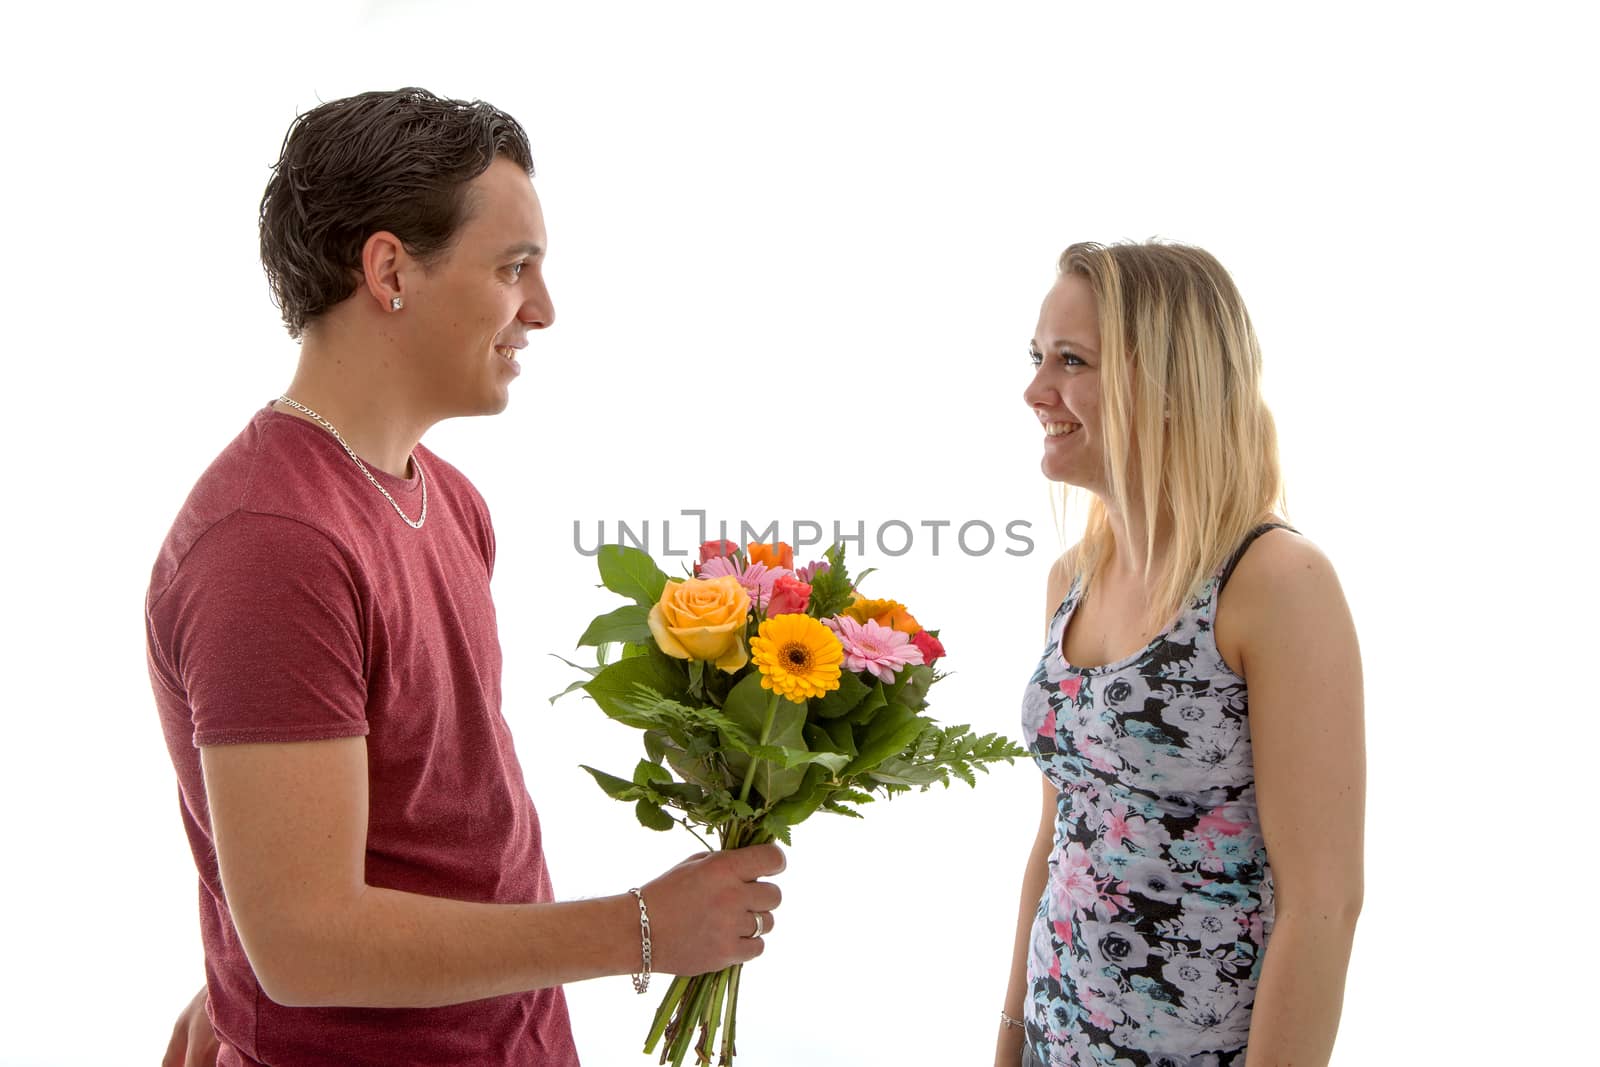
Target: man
<point x="323" y="649"/>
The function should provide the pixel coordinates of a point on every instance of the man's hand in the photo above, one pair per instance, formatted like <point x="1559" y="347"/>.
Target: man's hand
<point x="702" y="912"/>
<point x="194" y="1043"/>
<point x="290" y="824"/>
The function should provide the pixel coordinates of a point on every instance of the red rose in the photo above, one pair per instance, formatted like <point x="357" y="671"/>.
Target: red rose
<point x="931" y="648"/>
<point x="789" y="596"/>
<point x="713" y="549"/>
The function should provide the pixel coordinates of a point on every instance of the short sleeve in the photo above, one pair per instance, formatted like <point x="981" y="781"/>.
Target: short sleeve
<point x="260" y="633"/>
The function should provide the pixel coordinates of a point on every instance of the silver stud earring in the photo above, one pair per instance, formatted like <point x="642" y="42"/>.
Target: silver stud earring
<point x="396" y="304"/>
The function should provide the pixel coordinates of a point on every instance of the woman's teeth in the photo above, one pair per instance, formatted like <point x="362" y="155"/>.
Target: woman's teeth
<point x="1059" y="429"/>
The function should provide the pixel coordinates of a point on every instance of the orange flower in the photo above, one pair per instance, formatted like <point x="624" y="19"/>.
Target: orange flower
<point x="890" y="613"/>
<point x="779" y="555"/>
<point x="797" y="656"/>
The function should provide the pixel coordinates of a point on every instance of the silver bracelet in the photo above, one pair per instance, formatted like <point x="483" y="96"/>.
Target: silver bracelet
<point x="1006" y="1020"/>
<point x="641" y="981"/>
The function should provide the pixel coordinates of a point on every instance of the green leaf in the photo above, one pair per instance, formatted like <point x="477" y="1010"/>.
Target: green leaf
<point x="786" y="758"/>
<point x="818" y="739"/>
<point x="830" y="591"/>
<point x="654" y="746"/>
<point x="911" y="687"/>
<point x="776" y="828"/>
<point x="813" y="791"/>
<point x="616" y="788"/>
<point x="631" y="573"/>
<point x="887" y="735"/>
<point x="901" y="772"/>
<point x="871" y="705"/>
<point x="613" y="688"/>
<point x="627" y="623"/>
<point x="647" y="772"/>
<point x="746" y="707"/>
<point x="653" y="816"/>
<point x="940" y="753"/>
<point x="842" y="734"/>
<point x="843" y="699"/>
<point x="685" y="794"/>
<point x="590" y="671"/>
<point x="579" y="684"/>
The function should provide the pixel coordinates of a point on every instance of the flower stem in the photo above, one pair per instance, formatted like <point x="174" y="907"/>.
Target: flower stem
<point x="726" y="1059"/>
<point x="658" y="1025"/>
<point x="766" y="731"/>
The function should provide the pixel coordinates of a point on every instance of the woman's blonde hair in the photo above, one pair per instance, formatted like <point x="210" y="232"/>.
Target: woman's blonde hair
<point x="1188" y="437"/>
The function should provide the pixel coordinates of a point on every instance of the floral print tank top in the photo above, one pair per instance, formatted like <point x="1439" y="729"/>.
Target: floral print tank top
<point x="1149" y="938"/>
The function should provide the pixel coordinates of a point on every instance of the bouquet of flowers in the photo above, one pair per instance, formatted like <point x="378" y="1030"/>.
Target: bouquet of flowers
<point x="766" y="694"/>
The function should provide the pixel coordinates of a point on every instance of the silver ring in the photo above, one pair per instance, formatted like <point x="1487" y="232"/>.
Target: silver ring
<point x="760" y="927"/>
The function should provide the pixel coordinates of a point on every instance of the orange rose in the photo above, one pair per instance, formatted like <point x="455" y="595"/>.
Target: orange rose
<point x="780" y="555"/>
<point x="703" y="618"/>
<point x="890" y="613"/>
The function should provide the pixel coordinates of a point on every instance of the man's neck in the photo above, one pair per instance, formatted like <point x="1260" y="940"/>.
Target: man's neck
<point x="355" y="384"/>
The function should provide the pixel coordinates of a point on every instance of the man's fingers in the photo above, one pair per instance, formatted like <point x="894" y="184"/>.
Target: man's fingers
<point x="764" y="896"/>
<point x="756" y="861"/>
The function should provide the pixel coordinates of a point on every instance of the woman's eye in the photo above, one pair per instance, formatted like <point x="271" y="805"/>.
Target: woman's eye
<point x="1067" y="359"/>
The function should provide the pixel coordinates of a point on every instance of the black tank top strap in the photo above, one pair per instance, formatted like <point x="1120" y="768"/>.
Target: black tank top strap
<point x="1250" y="539"/>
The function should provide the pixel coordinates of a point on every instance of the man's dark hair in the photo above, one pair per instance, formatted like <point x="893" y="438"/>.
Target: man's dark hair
<point x="396" y="161"/>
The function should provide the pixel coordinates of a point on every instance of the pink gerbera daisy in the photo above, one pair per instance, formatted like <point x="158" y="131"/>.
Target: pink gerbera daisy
<point x="757" y="578"/>
<point x="873" y="647"/>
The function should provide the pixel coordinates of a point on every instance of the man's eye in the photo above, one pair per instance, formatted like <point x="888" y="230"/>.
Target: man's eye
<point x="516" y="269"/>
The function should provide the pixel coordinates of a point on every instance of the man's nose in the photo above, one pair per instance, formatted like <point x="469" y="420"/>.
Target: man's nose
<point x="539" y="311"/>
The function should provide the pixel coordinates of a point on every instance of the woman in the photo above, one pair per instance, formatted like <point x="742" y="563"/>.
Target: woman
<point x="1197" y="711"/>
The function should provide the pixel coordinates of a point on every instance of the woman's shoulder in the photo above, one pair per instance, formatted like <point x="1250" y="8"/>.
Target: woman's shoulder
<point x="1277" y="554"/>
<point x="1282" y="572"/>
<point x="1059" y="581"/>
<point x="1275" y="561"/>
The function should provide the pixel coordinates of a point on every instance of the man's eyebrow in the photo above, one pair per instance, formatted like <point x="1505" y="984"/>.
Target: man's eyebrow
<point x="522" y="248"/>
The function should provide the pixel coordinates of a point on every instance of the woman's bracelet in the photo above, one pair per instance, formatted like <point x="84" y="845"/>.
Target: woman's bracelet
<point x="641" y="981"/>
<point x="1008" y="1021"/>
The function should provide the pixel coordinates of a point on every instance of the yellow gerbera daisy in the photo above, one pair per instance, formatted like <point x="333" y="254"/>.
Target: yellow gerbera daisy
<point x="798" y="657"/>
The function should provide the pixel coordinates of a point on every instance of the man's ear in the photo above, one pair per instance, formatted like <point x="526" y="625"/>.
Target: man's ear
<point x="385" y="263"/>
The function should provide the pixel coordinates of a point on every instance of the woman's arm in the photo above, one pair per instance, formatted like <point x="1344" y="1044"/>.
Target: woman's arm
<point x="1008" y="1047"/>
<point x="1298" y="653"/>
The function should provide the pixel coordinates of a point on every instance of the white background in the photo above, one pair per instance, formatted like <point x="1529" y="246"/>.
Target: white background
<point x="797" y="252"/>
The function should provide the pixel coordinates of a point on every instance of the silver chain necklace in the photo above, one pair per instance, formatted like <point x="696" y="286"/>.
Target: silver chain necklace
<point x="326" y="425"/>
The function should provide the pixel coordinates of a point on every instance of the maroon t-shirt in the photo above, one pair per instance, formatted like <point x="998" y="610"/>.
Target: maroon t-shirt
<point x="291" y="603"/>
